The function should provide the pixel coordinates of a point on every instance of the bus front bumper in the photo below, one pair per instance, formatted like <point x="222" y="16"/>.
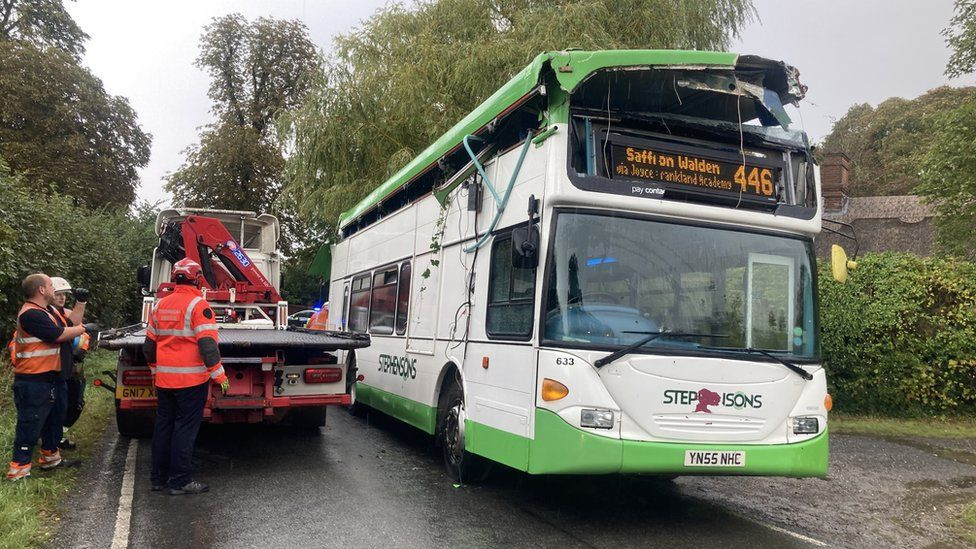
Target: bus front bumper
<point x="560" y="448"/>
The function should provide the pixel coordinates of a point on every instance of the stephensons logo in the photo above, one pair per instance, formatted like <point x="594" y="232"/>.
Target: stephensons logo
<point x="399" y="366"/>
<point x="704" y="398"/>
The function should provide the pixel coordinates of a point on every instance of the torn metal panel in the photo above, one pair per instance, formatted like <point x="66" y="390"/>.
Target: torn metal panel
<point x="782" y="78"/>
<point x="772" y="136"/>
<point x="772" y="111"/>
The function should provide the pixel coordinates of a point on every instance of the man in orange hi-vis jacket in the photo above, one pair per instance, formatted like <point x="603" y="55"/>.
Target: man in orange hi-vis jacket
<point x="181" y="349"/>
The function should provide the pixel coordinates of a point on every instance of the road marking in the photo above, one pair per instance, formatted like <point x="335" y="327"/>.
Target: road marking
<point x="779" y="529"/>
<point x="120" y="540"/>
<point x="807" y="539"/>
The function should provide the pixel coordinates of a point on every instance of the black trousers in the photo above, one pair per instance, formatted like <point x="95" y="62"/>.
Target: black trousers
<point x="178" y="416"/>
<point x="40" y="411"/>
<point x="76" y="398"/>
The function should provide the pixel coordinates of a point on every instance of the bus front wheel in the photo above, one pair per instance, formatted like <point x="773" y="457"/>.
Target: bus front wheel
<point x="355" y="407"/>
<point x="461" y="465"/>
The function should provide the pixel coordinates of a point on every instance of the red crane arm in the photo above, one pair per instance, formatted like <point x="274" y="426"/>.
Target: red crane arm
<point x="225" y="264"/>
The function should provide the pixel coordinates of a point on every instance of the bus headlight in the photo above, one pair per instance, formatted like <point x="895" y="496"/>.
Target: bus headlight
<point x="806" y="425"/>
<point x="597" y="419"/>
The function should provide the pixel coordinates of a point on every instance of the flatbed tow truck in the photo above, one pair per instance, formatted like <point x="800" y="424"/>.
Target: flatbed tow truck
<point x="276" y="373"/>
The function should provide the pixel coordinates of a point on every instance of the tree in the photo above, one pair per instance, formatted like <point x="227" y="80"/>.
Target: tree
<point x="949" y="180"/>
<point x="59" y="129"/>
<point x="42" y="23"/>
<point x="408" y="74"/>
<point x="233" y="168"/>
<point x="961" y="38"/>
<point x="258" y="70"/>
<point x="886" y="144"/>
<point x="99" y="250"/>
<point x="949" y="164"/>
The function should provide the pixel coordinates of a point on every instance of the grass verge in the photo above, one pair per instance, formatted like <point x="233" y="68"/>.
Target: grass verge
<point x="965" y="525"/>
<point x="847" y="424"/>
<point x="28" y="509"/>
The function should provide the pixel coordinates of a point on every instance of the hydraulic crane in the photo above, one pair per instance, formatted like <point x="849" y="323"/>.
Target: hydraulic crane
<point x="275" y="372"/>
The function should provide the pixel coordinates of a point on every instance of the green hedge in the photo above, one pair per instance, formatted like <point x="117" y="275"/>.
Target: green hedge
<point x="900" y="337"/>
<point x="100" y="250"/>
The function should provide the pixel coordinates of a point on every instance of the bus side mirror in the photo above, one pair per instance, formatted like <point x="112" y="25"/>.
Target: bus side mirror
<point x="143" y="275"/>
<point x="525" y="247"/>
<point x="839" y="264"/>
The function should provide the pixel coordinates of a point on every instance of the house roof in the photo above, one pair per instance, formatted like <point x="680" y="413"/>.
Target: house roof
<point x="906" y="208"/>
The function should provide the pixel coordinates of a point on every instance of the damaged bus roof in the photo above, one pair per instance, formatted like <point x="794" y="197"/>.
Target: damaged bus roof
<point x="768" y="84"/>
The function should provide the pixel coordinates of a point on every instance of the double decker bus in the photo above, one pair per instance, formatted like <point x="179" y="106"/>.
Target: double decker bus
<point x="606" y="267"/>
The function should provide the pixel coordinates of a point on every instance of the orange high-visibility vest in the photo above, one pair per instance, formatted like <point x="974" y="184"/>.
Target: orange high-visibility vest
<point x="319" y="321"/>
<point x="30" y="354"/>
<point x="177" y="322"/>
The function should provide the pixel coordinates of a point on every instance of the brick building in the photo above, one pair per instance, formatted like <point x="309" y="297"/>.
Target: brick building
<point x="883" y="223"/>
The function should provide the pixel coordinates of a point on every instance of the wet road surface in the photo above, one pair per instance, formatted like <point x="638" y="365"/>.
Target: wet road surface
<point x="371" y="482"/>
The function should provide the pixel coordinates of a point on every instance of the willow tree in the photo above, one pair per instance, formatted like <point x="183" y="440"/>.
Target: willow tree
<point x="393" y="85"/>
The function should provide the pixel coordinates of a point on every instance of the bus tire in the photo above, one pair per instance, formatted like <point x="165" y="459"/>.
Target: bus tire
<point x="355" y="407"/>
<point x="134" y="423"/>
<point x="461" y="465"/>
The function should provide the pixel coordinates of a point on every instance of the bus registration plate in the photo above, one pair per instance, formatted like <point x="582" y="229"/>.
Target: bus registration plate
<point x="714" y="458"/>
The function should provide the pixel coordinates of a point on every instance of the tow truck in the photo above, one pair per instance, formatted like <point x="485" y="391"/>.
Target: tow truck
<point x="276" y="373"/>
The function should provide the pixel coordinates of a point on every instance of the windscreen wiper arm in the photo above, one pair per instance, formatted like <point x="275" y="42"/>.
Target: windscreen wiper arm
<point x="651" y="336"/>
<point x="796" y="369"/>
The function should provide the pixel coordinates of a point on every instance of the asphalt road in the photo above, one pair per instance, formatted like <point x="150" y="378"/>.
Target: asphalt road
<point x="374" y="483"/>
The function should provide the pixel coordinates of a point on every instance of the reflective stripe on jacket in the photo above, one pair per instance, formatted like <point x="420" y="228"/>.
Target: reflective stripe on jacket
<point x="30" y="354"/>
<point x="176" y="324"/>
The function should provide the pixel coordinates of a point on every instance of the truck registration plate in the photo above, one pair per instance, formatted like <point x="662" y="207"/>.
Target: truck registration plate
<point x="135" y="392"/>
<point x="714" y="458"/>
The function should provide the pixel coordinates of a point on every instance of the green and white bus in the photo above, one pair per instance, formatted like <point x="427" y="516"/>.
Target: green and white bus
<point x="606" y="267"/>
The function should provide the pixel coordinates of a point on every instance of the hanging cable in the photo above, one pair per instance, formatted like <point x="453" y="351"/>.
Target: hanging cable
<point x="502" y="200"/>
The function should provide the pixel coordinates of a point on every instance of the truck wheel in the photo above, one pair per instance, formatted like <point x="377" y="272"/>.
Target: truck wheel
<point x="461" y="465"/>
<point x="308" y="417"/>
<point x="355" y="408"/>
<point x="134" y="423"/>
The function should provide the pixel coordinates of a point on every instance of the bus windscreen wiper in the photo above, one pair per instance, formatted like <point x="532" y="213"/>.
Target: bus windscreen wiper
<point x="799" y="371"/>
<point x="651" y="336"/>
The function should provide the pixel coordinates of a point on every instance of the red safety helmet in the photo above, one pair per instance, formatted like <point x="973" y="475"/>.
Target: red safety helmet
<point x="185" y="271"/>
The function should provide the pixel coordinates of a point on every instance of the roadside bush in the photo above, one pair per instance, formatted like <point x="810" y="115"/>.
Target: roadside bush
<point x="100" y="250"/>
<point x="900" y="337"/>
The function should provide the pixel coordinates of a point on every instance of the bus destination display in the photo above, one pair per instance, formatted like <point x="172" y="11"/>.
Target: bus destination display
<point x="691" y="172"/>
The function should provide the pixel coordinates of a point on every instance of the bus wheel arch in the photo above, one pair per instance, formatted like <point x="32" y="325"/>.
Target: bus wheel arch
<point x="450" y="373"/>
<point x="460" y="464"/>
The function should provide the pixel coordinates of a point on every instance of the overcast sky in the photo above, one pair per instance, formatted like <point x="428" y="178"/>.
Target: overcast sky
<point x="848" y="51"/>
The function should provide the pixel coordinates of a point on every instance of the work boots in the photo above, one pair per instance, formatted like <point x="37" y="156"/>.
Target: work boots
<point x="49" y="459"/>
<point x="18" y="471"/>
<point x="192" y="487"/>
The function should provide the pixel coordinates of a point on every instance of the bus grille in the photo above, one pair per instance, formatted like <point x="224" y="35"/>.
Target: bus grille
<point x="710" y="423"/>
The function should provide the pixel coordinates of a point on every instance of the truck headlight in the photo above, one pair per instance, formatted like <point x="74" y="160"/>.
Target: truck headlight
<point x="806" y="425"/>
<point x="597" y="419"/>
